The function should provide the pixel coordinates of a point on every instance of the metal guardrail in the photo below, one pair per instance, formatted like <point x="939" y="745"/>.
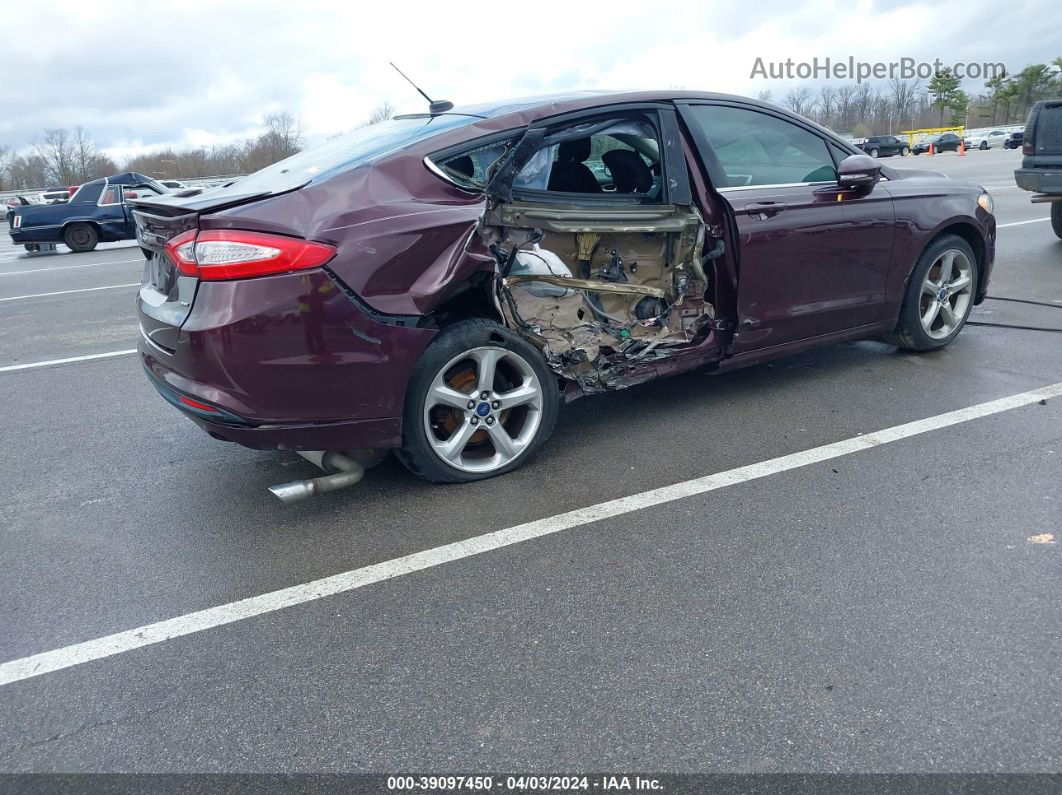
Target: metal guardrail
<point x="192" y="182"/>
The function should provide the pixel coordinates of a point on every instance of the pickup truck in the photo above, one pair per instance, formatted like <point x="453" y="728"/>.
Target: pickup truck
<point x="1041" y="162"/>
<point x="885" y="145"/>
<point x="96" y="213"/>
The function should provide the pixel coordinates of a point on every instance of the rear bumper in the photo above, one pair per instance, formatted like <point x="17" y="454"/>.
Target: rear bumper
<point x="288" y="362"/>
<point x="36" y="234"/>
<point x="377" y="433"/>
<point x="1039" y="180"/>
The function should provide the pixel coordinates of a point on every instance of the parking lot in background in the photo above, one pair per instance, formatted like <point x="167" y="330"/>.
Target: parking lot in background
<point x="889" y="607"/>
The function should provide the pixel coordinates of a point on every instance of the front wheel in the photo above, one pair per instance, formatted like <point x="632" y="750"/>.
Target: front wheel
<point x="480" y="402"/>
<point x="1056" y="218"/>
<point x="873" y="152"/>
<point x="939" y="296"/>
<point x="983" y="146"/>
<point x="905" y="151"/>
<point x="80" y="237"/>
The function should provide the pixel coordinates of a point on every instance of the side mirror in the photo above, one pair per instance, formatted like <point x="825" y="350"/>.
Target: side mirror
<point x="858" y="172"/>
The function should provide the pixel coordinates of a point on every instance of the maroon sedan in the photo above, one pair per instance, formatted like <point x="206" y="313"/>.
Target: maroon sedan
<point x="440" y="283"/>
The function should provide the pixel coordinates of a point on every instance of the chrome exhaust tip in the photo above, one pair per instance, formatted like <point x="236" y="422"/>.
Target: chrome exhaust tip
<point x="348" y="473"/>
<point x="294" y="491"/>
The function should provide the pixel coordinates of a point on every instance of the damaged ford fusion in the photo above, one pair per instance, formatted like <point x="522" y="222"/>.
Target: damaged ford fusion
<point x="440" y="284"/>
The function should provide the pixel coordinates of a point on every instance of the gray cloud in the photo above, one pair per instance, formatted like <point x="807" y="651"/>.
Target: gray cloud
<point x="141" y="75"/>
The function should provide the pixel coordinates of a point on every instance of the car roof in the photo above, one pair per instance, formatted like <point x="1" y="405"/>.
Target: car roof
<point x="576" y="100"/>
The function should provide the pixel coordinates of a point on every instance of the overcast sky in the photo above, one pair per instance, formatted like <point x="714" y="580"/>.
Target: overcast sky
<point x="144" y="74"/>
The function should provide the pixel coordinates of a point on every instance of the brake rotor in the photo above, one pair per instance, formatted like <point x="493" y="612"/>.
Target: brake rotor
<point x="448" y="419"/>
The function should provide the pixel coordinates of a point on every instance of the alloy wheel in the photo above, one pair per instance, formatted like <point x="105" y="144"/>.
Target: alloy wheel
<point x="946" y="294"/>
<point x="483" y="409"/>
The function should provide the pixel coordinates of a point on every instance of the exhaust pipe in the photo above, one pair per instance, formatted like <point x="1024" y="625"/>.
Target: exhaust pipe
<point x="345" y="472"/>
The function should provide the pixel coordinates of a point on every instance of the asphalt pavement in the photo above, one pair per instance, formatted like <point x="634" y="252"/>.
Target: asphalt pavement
<point x="884" y="610"/>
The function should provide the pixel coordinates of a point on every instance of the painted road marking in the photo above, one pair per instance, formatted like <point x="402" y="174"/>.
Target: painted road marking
<point x="29" y="366"/>
<point x="67" y="292"/>
<point x="68" y="267"/>
<point x="1019" y="223"/>
<point x="120" y="642"/>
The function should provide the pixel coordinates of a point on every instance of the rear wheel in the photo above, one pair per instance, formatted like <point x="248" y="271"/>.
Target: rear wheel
<point x="1056" y="218"/>
<point x="480" y="402"/>
<point x="905" y="151"/>
<point x="80" y="237"/>
<point x="939" y="296"/>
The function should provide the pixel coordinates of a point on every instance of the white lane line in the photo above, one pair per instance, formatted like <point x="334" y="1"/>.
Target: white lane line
<point x="12" y="367"/>
<point x="67" y="292"/>
<point x="110" y="645"/>
<point x="1020" y="223"/>
<point x="68" y="267"/>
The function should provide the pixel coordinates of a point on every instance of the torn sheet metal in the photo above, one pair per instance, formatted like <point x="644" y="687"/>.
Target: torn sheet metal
<point x="638" y="296"/>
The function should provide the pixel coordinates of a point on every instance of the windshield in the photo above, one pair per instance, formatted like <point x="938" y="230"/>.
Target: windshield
<point x="347" y="151"/>
<point x="155" y="186"/>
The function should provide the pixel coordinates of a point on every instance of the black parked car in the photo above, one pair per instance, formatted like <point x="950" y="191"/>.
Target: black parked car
<point x="1013" y="140"/>
<point x="1041" y="162"/>
<point x="884" y="146"/>
<point x="945" y="142"/>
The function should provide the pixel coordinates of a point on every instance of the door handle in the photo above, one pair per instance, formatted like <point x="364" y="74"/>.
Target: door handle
<point x="765" y="209"/>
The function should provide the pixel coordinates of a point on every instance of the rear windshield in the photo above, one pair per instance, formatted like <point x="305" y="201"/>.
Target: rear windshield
<point x="347" y="151"/>
<point x="1048" y="139"/>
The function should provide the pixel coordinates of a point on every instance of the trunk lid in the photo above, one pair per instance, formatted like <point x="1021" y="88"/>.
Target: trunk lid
<point x="166" y="296"/>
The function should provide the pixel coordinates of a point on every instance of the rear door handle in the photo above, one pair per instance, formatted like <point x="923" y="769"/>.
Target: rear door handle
<point x="765" y="209"/>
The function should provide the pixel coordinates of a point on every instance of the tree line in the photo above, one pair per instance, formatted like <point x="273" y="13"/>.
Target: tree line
<point x="60" y="157"/>
<point x="866" y="109"/>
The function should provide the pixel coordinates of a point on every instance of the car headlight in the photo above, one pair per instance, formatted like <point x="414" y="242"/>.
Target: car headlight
<point x="986" y="203"/>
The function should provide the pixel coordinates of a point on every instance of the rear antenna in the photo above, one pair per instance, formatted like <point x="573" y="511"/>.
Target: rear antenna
<point x="435" y="107"/>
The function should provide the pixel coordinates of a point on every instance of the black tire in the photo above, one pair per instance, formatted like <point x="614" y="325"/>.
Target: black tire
<point x="417" y="452"/>
<point x="873" y="153"/>
<point x="909" y="333"/>
<point x="81" y="237"/>
<point x="905" y="151"/>
<point x="1056" y="218"/>
<point x="983" y="146"/>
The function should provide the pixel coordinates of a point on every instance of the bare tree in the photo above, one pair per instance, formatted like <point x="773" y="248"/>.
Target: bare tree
<point x="843" y="103"/>
<point x="282" y="137"/>
<point x="88" y="162"/>
<point x="6" y="156"/>
<point x="56" y="149"/>
<point x="382" y="112"/>
<point x="764" y="96"/>
<point x="29" y="171"/>
<point x="827" y="100"/>
<point x="902" y="97"/>
<point x="799" y="101"/>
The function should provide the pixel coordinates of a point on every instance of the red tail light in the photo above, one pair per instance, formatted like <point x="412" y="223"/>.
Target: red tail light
<point x="195" y="404"/>
<point x="220" y="254"/>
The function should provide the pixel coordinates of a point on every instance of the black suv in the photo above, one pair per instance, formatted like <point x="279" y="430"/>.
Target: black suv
<point x="1041" y="163"/>
<point x="885" y="145"/>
